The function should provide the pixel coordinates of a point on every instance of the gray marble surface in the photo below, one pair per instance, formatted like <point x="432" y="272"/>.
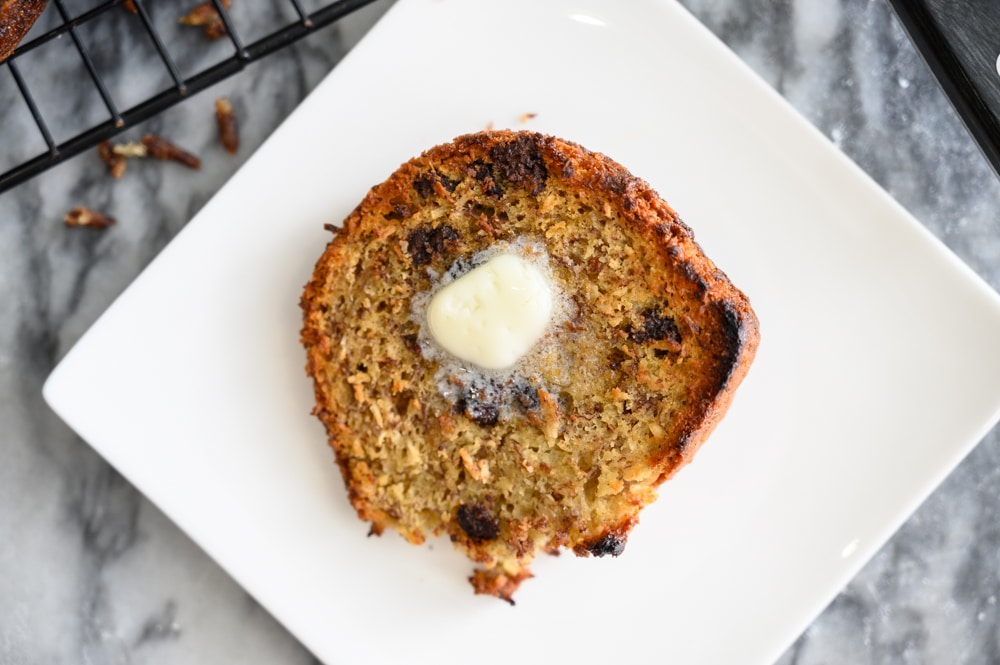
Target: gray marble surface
<point x="90" y="572"/>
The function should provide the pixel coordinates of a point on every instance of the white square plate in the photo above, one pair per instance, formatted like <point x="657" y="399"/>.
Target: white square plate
<point x="877" y="370"/>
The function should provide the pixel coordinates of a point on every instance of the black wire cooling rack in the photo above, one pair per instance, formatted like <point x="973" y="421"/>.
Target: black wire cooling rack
<point x="960" y="42"/>
<point x="180" y="87"/>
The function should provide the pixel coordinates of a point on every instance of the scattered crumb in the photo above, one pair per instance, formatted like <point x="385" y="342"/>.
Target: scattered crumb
<point x="116" y="163"/>
<point x="91" y="219"/>
<point x="525" y="117"/>
<point x="160" y="148"/>
<point x="206" y="15"/>
<point x="203" y="14"/>
<point x="216" y="29"/>
<point x="225" y="117"/>
<point x="115" y="155"/>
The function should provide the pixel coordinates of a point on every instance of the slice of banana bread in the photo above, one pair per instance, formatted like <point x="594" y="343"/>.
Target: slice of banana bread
<point x="16" y="18"/>
<point x="564" y="448"/>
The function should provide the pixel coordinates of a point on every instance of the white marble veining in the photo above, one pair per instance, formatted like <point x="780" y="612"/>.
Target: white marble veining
<point x="91" y="572"/>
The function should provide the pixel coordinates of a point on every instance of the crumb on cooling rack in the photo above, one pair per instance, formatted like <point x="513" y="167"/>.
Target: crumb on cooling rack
<point x="206" y="15"/>
<point x="203" y="14"/>
<point x="216" y="29"/>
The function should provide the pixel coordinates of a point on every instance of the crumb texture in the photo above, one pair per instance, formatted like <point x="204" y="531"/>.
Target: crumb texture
<point x="565" y="451"/>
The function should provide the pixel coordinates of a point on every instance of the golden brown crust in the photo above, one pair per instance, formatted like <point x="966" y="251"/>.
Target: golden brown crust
<point x="494" y="583"/>
<point x="659" y="343"/>
<point x="16" y="18"/>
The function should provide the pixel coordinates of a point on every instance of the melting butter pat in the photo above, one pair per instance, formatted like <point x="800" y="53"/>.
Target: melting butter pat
<point x="492" y="315"/>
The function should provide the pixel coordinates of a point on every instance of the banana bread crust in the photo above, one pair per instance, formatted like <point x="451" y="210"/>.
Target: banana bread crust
<point x="16" y="18"/>
<point x="659" y="341"/>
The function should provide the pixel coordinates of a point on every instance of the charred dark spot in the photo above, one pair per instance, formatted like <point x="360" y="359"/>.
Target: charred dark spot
<point x="611" y="544"/>
<point x="448" y="183"/>
<point x="683" y="442"/>
<point x="484" y="173"/>
<point x="655" y="327"/>
<point x="732" y="325"/>
<point x="520" y="162"/>
<point x="477" y="522"/>
<point x="423" y="184"/>
<point x="733" y="338"/>
<point x="666" y="230"/>
<point x="691" y="273"/>
<point x="400" y="211"/>
<point x="561" y="162"/>
<point x="481" y="170"/>
<point x="426" y="242"/>
<point x="616" y="182"/>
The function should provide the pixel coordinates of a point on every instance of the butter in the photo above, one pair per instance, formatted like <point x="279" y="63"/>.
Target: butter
<point x="492" y="315"/>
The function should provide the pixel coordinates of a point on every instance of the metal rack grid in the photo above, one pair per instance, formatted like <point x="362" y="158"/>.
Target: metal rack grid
<point x="180" y="88"/>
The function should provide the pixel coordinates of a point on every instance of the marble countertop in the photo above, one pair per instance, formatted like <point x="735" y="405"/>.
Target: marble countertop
<point x="91" y="572"/>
